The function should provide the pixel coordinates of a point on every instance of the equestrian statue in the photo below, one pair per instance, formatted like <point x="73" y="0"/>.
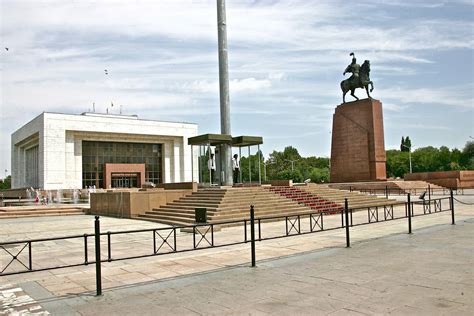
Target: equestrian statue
<point x="359" y="79"/>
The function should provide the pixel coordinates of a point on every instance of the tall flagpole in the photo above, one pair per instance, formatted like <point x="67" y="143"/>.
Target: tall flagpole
<point x="226" y="150"/>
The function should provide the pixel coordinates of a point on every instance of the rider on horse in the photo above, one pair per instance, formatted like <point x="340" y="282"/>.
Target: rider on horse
<point x="353" y="68"/>
<point x="360" y="78"/>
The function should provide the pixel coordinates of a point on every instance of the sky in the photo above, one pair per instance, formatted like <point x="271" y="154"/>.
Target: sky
<point x="286" y="61"/>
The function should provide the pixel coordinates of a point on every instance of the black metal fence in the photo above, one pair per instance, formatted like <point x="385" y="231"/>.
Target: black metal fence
<point x="427" y="191"/>
<point x="164" y="241"/>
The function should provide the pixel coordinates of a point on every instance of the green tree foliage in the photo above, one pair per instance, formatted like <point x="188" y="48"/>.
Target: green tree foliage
<point x="279" y="166"/>
<point x="428" y="159"/>
<point x="405" y="144"/>
<point x="467" y="156"/>
<point x="5" y="183"/>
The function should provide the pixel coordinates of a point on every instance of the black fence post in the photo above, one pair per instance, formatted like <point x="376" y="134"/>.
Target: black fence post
<point x="409" y="214"/>
<point x="429" y="198"/>
<point x="451" y="200"/>
<point x="346" y="209"/>
<point x="98" y="272"/>
<point x="252" y="234"/>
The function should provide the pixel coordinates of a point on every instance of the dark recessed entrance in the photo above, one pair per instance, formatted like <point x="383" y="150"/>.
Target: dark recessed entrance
<point x="125" y="180"/>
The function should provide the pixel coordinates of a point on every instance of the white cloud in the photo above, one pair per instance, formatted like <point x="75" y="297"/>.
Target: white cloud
<point x="235" y="85"/>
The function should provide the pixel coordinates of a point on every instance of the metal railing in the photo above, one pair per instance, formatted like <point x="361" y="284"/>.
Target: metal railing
<point x="428" y="190"/>
<point x="165" y="240"/>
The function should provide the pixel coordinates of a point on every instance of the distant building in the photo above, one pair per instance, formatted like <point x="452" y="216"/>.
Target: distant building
<point x="64" y="151"/>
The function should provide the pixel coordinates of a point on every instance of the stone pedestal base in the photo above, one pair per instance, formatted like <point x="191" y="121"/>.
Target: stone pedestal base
<point x="358" y="149"/>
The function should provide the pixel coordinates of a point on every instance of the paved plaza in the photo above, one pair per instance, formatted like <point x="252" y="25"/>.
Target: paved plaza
<point x="385" y="271"/>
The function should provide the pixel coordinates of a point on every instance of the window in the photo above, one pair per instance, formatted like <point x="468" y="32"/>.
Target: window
<point x="96" y="154"/>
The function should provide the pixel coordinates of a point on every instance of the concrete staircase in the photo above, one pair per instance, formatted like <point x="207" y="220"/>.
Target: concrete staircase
<point x="303" y="197"/>
<point x="225" y="204"/>
<point x="35" y="211"/>
<point x="355" y="199"/>
<point x="418" y="185"/>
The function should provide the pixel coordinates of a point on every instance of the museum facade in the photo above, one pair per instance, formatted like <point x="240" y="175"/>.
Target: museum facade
<point x="68" y="151"/>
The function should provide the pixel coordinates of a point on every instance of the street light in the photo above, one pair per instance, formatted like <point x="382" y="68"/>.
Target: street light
<point x="409" y="155"/>
<point x="292" y="164"/>
<point x="265" y="168"/>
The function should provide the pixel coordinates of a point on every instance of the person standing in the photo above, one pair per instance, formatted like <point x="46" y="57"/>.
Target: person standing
<point x="211" y="165"/>
<point x="236" y="168"/>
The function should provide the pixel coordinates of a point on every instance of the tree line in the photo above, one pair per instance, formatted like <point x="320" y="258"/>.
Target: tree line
<point x="429" y="159"/>
<point x="290" y="165"/>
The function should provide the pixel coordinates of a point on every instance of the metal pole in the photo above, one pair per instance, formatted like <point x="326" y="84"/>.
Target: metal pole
<point x="226" y="150"/>
<point x="429" y="198"/>
<point x="346" y="209"/>
<point x="250" y="168"/>
<point x="409" y="214"/>
<point x="452" y="206"/>
<point x="209" y="158"/>
<point x="409" y="158"/>
<point x="98" y="268"/>
<point x="259" y="166"/>
<point x="264" y="171"/>
<point x="240" y="165"/>
<point x="252" y="234"/>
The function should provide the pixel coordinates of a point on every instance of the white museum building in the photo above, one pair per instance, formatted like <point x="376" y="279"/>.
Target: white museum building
<point x="72" y="151"/>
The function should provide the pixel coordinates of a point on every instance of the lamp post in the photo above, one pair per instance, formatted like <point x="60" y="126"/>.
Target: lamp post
<point x="265" y="168"/>
<point x="292" y="163"/>
<point x="409" y="155"/>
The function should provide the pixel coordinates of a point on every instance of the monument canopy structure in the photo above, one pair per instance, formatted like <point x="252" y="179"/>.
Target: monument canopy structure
<point x="205" y="143"/>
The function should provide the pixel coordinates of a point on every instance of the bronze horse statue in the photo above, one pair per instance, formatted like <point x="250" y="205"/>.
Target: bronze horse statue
<point x="359" y="79"/>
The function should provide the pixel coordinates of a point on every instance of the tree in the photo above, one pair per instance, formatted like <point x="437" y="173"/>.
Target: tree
<point x="467" y="156"/>
<point x="405" y="145"/>
<point x="408" y="143"/>
<point x="288" y="164"/>
<point x="6" y="183"/>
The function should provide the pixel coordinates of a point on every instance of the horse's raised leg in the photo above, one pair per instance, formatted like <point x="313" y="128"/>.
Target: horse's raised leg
<point x="352" y="93"/>
<point x="371" y="86"/>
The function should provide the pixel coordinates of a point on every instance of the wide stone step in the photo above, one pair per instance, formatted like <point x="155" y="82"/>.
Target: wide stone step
<point x="255" y="203"/>
<point x="183" y="208"/>
<point x="171" y="218"/>
<point x="192" y="204"/>
<point x="200" y="198"/>
<point x="171" y="222"/>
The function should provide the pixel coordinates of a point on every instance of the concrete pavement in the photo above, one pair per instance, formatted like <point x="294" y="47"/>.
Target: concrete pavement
<point x="385" y="271"/>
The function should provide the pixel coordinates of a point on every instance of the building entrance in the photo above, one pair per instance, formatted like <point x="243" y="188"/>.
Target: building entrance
<point x="125" y="180"/>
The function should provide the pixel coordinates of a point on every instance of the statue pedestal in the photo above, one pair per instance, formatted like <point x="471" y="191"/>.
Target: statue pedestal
<point x="358" y="149"/>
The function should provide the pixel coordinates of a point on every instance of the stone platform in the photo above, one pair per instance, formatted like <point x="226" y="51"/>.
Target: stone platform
<point x="358" y="150"/>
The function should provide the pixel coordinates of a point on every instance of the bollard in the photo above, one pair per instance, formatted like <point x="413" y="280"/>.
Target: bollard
<point x="452" y="207"/>
<point x="252" y="234"/>
<point x="409" y="214"/>
<point x="98" y="272"/>
<point x="346" y="209"/>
